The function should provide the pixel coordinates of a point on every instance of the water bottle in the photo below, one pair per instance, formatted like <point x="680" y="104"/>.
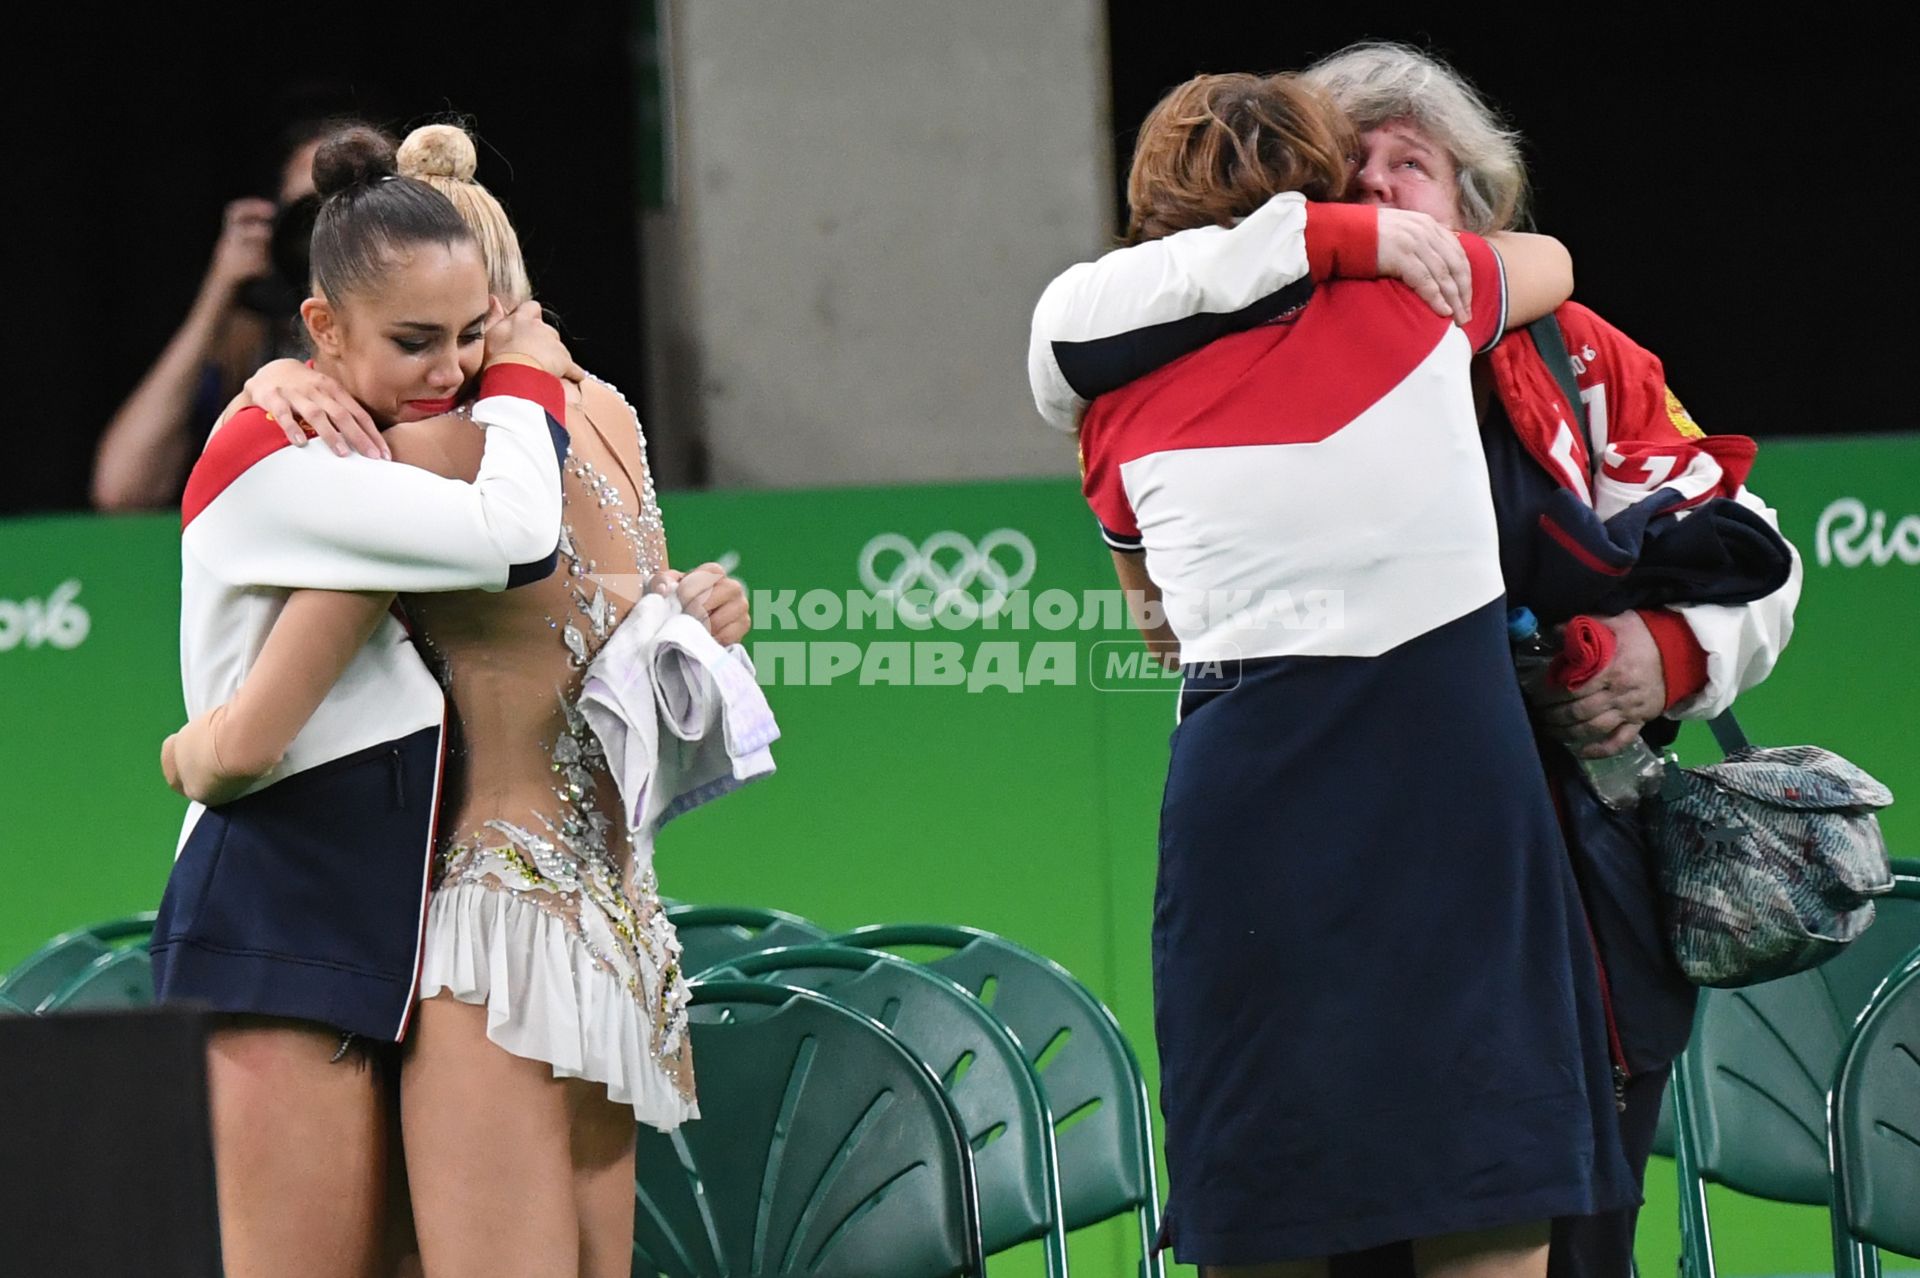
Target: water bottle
<point x="1621" y="780"/>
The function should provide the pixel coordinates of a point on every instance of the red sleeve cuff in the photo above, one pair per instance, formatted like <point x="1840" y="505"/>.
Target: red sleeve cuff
<point x="1681" y="656"/>
<point x="1343" y="241"/>
<point x="524" y="381"/>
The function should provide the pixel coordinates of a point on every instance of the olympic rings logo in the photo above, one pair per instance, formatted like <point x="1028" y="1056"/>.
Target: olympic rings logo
<point x="947" y="566"/>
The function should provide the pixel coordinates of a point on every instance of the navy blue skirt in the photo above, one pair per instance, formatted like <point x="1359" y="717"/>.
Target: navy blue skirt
<point x="308" y="899"/>
<point x="1374" y="991"/>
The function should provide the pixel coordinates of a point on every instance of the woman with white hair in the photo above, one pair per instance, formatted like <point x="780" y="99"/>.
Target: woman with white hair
<point x="1431" y="144"/>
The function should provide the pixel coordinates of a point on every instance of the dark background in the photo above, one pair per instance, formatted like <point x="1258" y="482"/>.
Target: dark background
<point x="137" y="126"/>
<point x="1736" y="197"/>
<point x="1736" y="193"/>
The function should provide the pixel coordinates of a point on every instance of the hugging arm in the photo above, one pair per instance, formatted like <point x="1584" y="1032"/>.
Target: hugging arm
<point x="1102" y="324"/>
<point x="1539" y="275"/>
<point x="258" y="513"/>
<point x="302" y="399"/>
<point x="217" y="756"/>
<point x="220" y="754"/>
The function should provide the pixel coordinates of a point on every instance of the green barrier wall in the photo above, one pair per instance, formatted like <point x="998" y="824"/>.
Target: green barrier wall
<point x="1028" y="809"/>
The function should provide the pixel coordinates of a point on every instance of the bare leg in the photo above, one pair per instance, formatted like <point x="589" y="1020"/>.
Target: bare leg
<point x="1282" y="1269"/>
<point x="300" y="1151"/>
<point x="602" y="1146"/>
<point x="489" y="1154"/>
<point x="1516" y="1251"/>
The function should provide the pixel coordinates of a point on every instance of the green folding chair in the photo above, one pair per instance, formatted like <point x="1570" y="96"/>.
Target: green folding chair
<point x="1874" y="1122"/>
<point x="48" y="971"/>
<point x="10" y="1008"/>
<point x="998" y="1095"/>
<point x="123" y="978"/>
<point x="827" y="1150"/>
<point x="712" y="934"/>
<point x="1103" y="1127"/>
<point x="1749" y="1094"/>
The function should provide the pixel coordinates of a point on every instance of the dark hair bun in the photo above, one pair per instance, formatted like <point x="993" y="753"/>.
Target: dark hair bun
<point x="356" y="156"/>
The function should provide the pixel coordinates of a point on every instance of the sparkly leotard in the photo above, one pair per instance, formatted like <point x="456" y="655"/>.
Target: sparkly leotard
<point x="541" y="908"/>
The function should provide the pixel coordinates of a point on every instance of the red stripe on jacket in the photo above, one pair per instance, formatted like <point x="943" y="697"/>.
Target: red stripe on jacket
<point x="1683" y="661"/>
<point x="249" y="437"/>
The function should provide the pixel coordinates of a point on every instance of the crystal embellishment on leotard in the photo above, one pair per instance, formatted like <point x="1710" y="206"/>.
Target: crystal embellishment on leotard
<point x="602" y="489"/>
<point x="579" y="784"/>
<point x="547" y="865"/>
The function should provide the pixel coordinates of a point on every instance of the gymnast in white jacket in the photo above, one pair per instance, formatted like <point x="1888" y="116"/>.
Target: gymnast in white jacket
<point x="551" y="1005"/>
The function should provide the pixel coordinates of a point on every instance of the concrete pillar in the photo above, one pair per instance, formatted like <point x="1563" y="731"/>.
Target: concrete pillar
<point x="868" y="196"/>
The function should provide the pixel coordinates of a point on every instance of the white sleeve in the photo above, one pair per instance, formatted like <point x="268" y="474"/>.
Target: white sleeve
<point x="1102" y="324"/>
<point x="304" y="518"/>
<point x="1742" y="641"/>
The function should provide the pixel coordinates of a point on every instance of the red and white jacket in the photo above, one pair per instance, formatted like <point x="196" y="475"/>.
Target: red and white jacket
<point x="1101" y="324"/>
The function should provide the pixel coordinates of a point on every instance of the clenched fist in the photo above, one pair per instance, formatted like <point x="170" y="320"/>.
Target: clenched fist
<point x="708" y="594"/>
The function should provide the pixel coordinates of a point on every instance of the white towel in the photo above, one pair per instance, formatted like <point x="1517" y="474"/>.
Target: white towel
<point x="660" y="669"/>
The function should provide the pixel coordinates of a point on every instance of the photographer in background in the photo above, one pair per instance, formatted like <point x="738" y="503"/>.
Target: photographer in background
<point x="244" y="314"/>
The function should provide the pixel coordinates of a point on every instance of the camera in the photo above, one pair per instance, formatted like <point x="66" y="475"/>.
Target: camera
<point x="277" y="295"/>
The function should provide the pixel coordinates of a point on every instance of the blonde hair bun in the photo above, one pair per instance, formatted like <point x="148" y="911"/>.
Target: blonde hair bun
<point x="438" y="150"/>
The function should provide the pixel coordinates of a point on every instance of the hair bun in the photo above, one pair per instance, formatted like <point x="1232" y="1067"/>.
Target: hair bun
<point x="355" y="156"/>
<point x="438" y="150"/>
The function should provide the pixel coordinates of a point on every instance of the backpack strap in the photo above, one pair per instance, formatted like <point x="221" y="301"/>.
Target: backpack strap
<point x="1552" y="345"/>
<point x="1729" y="734"/>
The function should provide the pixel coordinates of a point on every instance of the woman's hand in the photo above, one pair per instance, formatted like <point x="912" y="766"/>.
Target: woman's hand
<point x="170" y="764"/>
<point x="191" y="764"/>
<point x="1427" y="258"/>
<point x="294" y="394"/>
<point x="521" y="336"/>
<point x="243" y="250"/>
<point x="1600" y="717"/>
<point x="708" y="594"/>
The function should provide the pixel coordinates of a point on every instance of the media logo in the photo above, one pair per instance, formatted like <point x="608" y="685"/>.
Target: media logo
<point x="1126" y="665"/>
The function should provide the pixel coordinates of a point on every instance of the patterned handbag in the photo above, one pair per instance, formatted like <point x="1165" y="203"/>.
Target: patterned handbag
<point x="1768" y="861"/>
